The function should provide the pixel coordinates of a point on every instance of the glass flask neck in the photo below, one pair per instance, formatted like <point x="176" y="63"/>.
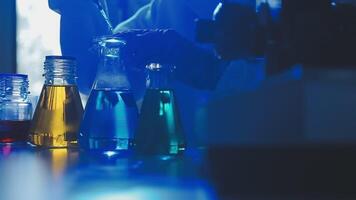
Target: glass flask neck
<point x="60" y="70"/>
<point x="159" y="77"/>
<point x="14" y="87"/>
<point x="111" y="72"/>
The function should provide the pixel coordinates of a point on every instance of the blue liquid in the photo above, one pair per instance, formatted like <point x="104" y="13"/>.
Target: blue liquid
<point x="159" y="131"/>
<point x="109" y="121"/>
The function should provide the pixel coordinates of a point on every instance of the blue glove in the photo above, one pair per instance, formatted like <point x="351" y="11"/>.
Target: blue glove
<point x="194" y="66"/>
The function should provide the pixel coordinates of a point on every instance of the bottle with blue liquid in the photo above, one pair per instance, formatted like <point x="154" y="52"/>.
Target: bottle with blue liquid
<point x="159" y="132"/>
<point x="111" y="114"/>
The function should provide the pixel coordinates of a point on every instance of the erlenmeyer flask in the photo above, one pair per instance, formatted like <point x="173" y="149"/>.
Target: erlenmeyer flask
<point x="159" y="131"/>
<point x="59" y="110"/>
<point x="111" y="114"/>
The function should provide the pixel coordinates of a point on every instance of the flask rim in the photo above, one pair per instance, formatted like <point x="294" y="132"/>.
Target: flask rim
<point x="109" y="37"/>
<point x="108" y="41"/>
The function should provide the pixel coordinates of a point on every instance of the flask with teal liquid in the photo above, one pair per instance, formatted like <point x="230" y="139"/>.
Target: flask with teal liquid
<point x="159" y="131"/>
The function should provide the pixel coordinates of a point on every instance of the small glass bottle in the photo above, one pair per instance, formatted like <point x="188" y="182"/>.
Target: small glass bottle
<point x="59" y="110"/>
<point x="159" y="131"/>
<point x="15" y="108"/>
<point x="111" y="113"/>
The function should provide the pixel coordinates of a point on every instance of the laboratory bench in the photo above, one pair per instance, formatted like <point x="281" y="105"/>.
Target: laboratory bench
<point x="251" y="172"/>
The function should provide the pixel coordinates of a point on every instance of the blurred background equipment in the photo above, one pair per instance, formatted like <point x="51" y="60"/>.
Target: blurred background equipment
<point x="308" y="57"/>
<point x="319" y="33"/>
<point x="294" y="135"/>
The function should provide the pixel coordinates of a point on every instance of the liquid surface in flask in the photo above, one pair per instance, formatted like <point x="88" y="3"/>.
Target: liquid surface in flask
<point x="57" y="117"/>
<point x="109" y="121"/>
<point x="160" y="120"/>
<point x="14" y="131"/>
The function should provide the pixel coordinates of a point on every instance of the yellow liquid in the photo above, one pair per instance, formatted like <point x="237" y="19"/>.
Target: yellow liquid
<point x="57" y="117"/>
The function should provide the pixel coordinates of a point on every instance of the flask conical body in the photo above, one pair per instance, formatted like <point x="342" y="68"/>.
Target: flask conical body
<point x="109" y="121"/>
<point x="57" y="116"/>
<point x="159" y="131"/>
<point x="110" y="116"/>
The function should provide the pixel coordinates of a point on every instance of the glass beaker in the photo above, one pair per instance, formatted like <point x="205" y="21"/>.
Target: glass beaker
<point x="15" y="108"/>
<point x="111" y="113"/>
<point x="159" y="131"/>
<point x="59" y="109"/>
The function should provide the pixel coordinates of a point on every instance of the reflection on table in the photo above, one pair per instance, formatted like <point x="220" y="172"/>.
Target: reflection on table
<point x="42" y="174"/>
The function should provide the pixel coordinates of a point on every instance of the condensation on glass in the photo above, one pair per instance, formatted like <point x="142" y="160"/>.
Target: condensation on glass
<point x="15" y="108"/>
<point x="59" y="110"/>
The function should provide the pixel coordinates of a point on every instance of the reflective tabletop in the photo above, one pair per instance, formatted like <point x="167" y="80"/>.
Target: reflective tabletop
<point x="253" y="172"/>
<point x="30" y="173"/>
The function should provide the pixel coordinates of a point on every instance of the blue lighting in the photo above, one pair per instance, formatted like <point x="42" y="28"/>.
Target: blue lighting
<point x="164" y="158"/>
<point x="110" y="153"/>
<point x="297" y="72"/>
<point x="116" y="190"/>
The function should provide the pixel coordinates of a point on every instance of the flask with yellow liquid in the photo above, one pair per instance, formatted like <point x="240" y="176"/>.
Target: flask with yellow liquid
<point x="59" y="110"/>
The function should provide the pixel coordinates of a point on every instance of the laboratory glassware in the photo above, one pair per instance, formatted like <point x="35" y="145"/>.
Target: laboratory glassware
<point x="15" y="108"/>
<point x="111" y="113"/>
<point x="159" y="130"/>
<point x="59" y="110"/>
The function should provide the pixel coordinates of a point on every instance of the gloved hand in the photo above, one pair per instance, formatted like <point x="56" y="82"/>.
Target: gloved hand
<point x="194" y="66"/>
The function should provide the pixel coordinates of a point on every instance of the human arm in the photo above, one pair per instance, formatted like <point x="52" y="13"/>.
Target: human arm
<point x="80" y="23"/>
<point x="195" y="66"/>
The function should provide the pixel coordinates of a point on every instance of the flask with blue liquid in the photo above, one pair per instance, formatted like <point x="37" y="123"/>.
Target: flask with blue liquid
<point x="159" y="132"/>
<point x="111" y="113"/>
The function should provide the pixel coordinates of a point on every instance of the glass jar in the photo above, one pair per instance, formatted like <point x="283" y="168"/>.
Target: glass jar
<point x="15" y="108"/>
<point x="59" y="110"/>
